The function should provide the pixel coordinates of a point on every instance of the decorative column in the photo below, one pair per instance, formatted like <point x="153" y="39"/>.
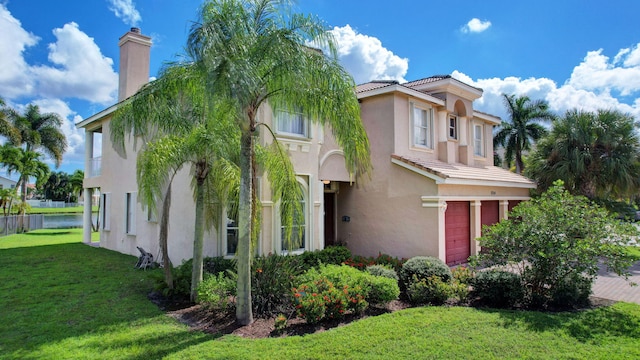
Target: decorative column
<point x="504" y="209"/>
<point x="476" y="226"/>
<point x="86" y="216"/>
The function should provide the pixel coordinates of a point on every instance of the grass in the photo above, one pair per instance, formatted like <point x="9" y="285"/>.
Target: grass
<point x="62" y="299"/>
<point x="66" y="210"/>
<point x="634" y="251"/>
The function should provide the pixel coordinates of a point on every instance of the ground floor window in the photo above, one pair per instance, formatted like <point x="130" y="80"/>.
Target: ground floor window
<point x="298" y="241"/>
<point x="105" y="211"/>
<point x="130" y="213"/>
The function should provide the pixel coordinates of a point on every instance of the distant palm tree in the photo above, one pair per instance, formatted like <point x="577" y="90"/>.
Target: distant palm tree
<point x="517" y="134"/>
<point x="596" y="154"/>
<point x="76" y="181"/>
<point x="257" y="51"/>
<point x="26" y="163"/>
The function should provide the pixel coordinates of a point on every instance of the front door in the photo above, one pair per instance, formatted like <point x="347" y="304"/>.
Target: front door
<point x="329" y="219"/>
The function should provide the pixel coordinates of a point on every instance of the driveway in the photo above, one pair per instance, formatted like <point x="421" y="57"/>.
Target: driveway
<point x="613" y="287"/>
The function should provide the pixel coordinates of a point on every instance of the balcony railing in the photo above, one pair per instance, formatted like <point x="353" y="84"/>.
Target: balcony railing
<point x="95" y="167"/>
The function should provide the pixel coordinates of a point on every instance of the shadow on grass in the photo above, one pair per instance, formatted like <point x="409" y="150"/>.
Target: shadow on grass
<point x="52" y="232"/>
<point x="608" y="321"/>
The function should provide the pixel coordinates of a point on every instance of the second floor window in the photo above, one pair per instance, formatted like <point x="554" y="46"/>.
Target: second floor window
<point x="422" y="125"/>
<point x="292" y="124"/>
<point x="453" y="127"/>
<point x="478" y="145"/>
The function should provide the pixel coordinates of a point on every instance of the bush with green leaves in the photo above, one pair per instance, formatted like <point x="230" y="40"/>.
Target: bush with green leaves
<point x="555" y="238"/>
<point x="335" y="255"/>
<point x="462" y="278"/>
<point x="216" y="291"/>
<point x="215" y="265"/>
<point x="376" y="289"/>
<point x="572" y="292"/>
<point x="422" y="268"/>
<point x="319" y="298"/>
<point x="272" y="278"/>
<point x="498" y="288"/>
<point x="432" y="290"/>
<point x="382" y="270"/>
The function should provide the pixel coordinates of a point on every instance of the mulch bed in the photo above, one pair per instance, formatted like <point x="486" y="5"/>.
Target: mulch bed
<point x="199" y="318"/>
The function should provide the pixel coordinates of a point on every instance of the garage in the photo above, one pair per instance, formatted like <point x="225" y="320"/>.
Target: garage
<point x="489" y="212"/>
<point x="457" y="232"/>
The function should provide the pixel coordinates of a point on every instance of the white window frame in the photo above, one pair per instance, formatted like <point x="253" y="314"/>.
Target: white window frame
<point x="105" y="211"/>
<point x="426" y="126"/>
<point x="478" y="140"/>
<point x="130" y="202"/>
<point x="305" y="208"/>
<point x="285" y="124"/>
<point x="230" y="225"/>
<point x="452" y="126"/>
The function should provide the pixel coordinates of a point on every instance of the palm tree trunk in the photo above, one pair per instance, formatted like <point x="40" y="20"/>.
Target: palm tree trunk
<point x="198" y="237"/>
<point x="244" y="314"/>
<point x="164" y="234"/>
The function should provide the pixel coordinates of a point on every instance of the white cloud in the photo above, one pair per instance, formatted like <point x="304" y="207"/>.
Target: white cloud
<point x="476" y="25"/>
<point x="126" y="11"/>
<point x="366" y="58"/>
<point x="78" y="58"/>
<point x="596" y="72"/>
<point x="15" y="77"/>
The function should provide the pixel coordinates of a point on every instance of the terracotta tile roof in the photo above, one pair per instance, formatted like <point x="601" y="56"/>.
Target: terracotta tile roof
<point x="465" y="172"/>
<point x="375" y="84"/>
<point x="427" y="80"/>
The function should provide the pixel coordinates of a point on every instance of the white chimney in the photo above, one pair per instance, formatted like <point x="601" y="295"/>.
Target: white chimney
<point x="135" y="50"/>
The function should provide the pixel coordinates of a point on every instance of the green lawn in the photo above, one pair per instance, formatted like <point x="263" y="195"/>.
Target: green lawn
<point x="60" y="299"/>
<point x="66" y="210"/>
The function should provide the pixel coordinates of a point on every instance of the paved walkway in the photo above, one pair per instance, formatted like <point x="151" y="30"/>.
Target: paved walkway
<point x="613" y="287"/>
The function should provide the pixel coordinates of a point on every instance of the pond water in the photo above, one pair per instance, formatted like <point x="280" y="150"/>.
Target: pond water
<point x="63" y="221"/>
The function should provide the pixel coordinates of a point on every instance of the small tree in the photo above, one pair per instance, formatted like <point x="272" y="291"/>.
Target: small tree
<point x="555" y="240"/>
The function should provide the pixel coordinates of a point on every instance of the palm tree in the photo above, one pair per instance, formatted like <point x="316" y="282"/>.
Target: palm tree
<point x="518" y="133"/>
<point x="40" y="132"/>
<point x="596" y="154"/>
<point x="6" y="127"/>
<point x="180" y="125"/>
<point x="76" y="180"/>
<point x="26" y="163"/>
<point x="254" y="52"/>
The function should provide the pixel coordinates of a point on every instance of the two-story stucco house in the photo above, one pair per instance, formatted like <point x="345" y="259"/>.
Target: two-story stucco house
<point x="432" y="186"/>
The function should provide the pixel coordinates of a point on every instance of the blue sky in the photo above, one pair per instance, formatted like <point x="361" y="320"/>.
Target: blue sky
<point x="63" y="55"/>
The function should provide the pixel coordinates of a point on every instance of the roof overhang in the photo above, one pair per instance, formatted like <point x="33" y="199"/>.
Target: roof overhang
<point x="487" y="118"/>
<point x="403" y="90"/>
<point x="93" y="118"/>
<point x="451" y="86"/>
<point x="445" y="180"/>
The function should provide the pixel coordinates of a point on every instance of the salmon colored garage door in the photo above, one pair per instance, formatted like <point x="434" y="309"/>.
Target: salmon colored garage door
<point x="457" y="232"/>
<point x="490" y="212"/>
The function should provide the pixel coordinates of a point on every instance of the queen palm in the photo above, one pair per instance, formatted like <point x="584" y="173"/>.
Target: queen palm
<point x="257" y="51"/>
<point x="180" y="126"/>
<point x="595" y="154"/>
<point x="517" y="134"/>
<point x="40" y="132"/>
<point x="6" y="127"/>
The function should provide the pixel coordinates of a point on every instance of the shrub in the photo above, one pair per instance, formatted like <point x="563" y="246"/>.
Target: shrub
<point x="335" y="255"/>
<point x="361" y="262"/>
<point x="216" y="291"/>
<point x="319" y="299"/>
<point x="431" y="290"/>
<point x="375" y="289"/>
<point x="573" y="292"/>
<point x="280" y="322"/>
<point x="498" y="288"/>
<point x="272" y="278"/>
<point x="555" y="237"/>
<point x="422" y="268"/>
<point x="381" y="270"/>
<point x="215" y="265"/>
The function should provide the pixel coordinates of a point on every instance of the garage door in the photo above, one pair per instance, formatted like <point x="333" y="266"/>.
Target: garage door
<point x="490" y="212"/>
<point x="457" y="234"/>
<point x="513" y="203"/>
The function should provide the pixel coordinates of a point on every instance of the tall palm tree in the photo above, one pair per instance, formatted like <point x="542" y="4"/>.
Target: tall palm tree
<point x="257" y="51"/>
<point x="40" y="132"/>
<point x="76" y="180"/>
<point x="180" y="125"/>
<point x="596" y="154"/>
<point x="518" y="133"/>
